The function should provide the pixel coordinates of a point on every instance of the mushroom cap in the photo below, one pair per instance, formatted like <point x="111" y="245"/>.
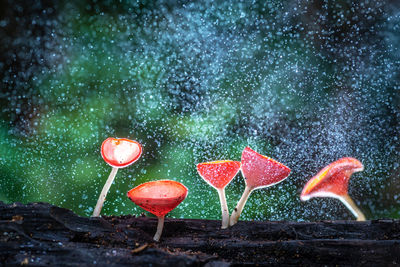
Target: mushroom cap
<point x="261" y="171"/>
<point x="218" y="173"/>
<point x="158" y="197"/>
<point x="333" y="180"/>
<point x="120" y="153"/>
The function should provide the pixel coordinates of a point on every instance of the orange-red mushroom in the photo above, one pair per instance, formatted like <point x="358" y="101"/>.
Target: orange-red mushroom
<point x="333" y="181"/>
<point x="159" y="198"/>
<point x="258" y="171"/>
<point x="118" y="153"/>
<point x="219" y="174"/>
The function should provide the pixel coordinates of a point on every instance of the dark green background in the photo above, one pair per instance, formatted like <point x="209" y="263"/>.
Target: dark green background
<point x="305" y="82"/>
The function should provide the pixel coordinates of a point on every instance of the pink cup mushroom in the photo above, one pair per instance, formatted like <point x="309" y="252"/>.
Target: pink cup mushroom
<point x="333" y="181"/>
<point x="219" y="174"/>
<point x="259" y="171"/>
<point x="118" y="153"/>
<point x="159" y="198"/>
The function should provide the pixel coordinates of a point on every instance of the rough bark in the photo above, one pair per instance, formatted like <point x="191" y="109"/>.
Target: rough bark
<point x="42" y="234"/>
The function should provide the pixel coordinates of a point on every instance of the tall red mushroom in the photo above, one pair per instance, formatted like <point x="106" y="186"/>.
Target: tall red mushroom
<point x="118" y="153"/>
<point x="259" y="171"/>
<point x="333" y="181"/>
<point x="159" y="198"/>
<point x="219" y="174"/>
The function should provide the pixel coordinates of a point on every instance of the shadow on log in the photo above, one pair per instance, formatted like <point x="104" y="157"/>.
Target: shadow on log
<point x="43" y="234"/>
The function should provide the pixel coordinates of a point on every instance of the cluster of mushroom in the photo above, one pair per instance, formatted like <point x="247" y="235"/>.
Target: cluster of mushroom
<point x="157" y="197"/>
<point x="259" y="171"/>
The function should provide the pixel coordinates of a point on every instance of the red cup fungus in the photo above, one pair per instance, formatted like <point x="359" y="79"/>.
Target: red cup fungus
<point x="332" y="181"/>
<point x="118" y="153"/>
<point x="159" y="198"/>
<point x="219" y="174"/>
<point x="258" y="171"/>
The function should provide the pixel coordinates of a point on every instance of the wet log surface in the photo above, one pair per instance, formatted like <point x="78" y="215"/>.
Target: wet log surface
<point x="41" y="234"/>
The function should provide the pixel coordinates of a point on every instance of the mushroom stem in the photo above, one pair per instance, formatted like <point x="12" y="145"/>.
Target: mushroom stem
<point x="103" y="194"/>
<point x="224" y="208"/>
<point x="239" y="207"/>
<point x="349" y="203"/>
<point x="160" y="227"/>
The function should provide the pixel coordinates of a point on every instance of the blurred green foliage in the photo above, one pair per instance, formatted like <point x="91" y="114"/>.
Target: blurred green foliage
<point x="192" y="82"/>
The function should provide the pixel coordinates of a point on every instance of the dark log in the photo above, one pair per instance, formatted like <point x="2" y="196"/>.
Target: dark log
<point x="42" y="234"/>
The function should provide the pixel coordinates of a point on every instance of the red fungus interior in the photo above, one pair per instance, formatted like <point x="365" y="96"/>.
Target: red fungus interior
<point x="158" y="197"/>
<point x="333" y="179"/>
<point x="120" y="152"/>
<point x="218" y="173"/>
<point x="262" y="171"/>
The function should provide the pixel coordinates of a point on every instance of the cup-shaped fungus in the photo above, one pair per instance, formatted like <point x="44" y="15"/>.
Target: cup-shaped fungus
<point x="219" y="174"/>
<point x="159" y="198"/>
<point x="258" y="171"/>
<point x="118" y="153"/>
<point x="332" y="181"/>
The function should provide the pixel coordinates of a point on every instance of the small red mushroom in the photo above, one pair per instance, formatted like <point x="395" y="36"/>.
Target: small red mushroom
<point x="219" y="174"/>
<point x="332" y="181"/>
<point x="118" y="153"/>
<point x="258" y="171"/>
<point x="159" y="198"/>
